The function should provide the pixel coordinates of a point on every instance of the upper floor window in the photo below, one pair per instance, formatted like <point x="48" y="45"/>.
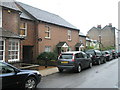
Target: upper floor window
<point x="2" y="49"/>
<point x="23" y="29"/>
<point x="69" y="35"/>
<point x="47" y="32"/>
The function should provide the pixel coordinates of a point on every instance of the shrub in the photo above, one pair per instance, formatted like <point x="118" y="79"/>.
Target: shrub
<point x="47" y="56"/>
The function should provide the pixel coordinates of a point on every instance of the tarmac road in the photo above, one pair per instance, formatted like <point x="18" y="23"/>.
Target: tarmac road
<point x="99" y="76"/>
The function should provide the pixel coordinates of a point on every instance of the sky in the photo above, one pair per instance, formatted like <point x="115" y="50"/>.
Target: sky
<point x="84" y="14"/>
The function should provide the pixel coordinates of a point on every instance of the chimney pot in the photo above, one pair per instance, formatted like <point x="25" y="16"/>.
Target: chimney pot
<point x="110" y="24"/>
<point x="99" y="26"/>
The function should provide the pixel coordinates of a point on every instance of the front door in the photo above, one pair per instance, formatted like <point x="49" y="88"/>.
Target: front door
<point x="27" y="54"/>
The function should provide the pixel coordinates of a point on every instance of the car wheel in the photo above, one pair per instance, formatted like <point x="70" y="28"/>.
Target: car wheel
<point x="90" y="65"/>
<point x="30" y="83"/>
<point x="78" y="70"/>
<point x="60" y="70"/>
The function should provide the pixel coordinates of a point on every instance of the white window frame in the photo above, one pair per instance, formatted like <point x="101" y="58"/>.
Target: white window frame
<point x="25" y="29"/>
<point x="0" y="16"/>
<point x="69" y="35"/>
<point x="47" y="48"/>
<point x="48" y="31"/>
<point x="3" y="49"/>
<point x="12" y="60"/>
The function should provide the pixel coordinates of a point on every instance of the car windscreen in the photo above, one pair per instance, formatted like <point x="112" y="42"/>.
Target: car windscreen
<point x="66" y="56"/>
<point x="90" y="52"/>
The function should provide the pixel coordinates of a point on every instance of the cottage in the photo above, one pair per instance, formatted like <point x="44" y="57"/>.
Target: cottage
<point x="34" y="31"/>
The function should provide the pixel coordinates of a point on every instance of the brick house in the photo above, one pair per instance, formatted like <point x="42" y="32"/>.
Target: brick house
<point x="105" y="35"/>
<point x="37" y="31"/>
<point x="9" y="32"/>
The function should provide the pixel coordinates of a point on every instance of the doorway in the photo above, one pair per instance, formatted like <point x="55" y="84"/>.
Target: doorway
<point x="27" y="54"/>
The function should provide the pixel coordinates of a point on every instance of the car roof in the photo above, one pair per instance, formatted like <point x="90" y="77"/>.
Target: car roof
<point x="71" y="52"/>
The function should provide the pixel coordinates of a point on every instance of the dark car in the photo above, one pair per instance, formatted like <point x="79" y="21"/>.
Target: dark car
<point x="97" y="57"/>
<point x="114" y="54"/>
<point x="15" y="78"/>
<point x="75" y="60"/>
<point x="107" y="55"/>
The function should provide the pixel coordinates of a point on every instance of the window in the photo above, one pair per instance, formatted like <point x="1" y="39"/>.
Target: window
<point x="5" y="69"/>
<point x="13" y="50"/>
<point x="23" y="29"/>
<point x="79" y="55"/>
<point x="47" y="48"/>
<point x="81" y="41"/>
<point x="66" y="56"/>
<point x="2" y="49"/>
<point x="84" y="55"/>
<point x="47" y="32"/>
<point x="69" y="35"/>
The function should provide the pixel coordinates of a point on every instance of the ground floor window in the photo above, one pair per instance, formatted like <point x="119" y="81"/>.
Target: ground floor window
<point x="13" y="50"/>
<point x="2" y="49"/>
<point x="47" y="49"/>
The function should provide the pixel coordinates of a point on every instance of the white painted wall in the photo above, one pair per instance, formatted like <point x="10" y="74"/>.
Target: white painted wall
<point x="0" y="16"/>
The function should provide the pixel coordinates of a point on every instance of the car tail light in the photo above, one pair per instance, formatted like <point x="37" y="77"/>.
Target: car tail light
<point x="73" y="60"/>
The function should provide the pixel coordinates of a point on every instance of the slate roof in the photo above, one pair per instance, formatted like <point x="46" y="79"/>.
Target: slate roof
<point x="78" y="44"/>
<point x="9" y="4"/>
<point x="25" y="16"/>
<point x="81" y="34"/>
<point x="45" y="16"/>
<point x="8" y="34"/>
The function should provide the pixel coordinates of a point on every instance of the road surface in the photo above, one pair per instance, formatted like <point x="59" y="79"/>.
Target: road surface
<point x="99" y="76"/>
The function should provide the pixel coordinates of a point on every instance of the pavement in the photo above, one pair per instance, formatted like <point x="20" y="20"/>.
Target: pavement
<point x="48" y="71"/>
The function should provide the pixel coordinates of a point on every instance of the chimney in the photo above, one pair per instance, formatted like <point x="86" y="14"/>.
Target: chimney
<point x="110" y="25"/>
<point x="99" y="26"/>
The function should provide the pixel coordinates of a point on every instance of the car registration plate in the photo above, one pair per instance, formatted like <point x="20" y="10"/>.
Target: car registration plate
<point x="64" y="62"/>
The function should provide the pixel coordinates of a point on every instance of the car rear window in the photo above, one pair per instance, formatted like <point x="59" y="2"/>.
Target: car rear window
<point x="66" y="56"/>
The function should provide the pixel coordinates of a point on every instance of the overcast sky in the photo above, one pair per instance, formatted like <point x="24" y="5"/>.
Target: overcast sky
<point x="84" y="14"/>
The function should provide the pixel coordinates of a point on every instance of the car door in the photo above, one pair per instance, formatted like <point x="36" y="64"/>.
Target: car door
<point x="86" y="60"/>
<point x="8" y="76"/>
<point x="80" y="59"/>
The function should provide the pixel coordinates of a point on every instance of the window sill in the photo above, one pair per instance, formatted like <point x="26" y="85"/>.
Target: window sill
<point x="69" y="40"/>
<point x="48" y="38"/>
<point x="14" y="60"/>
<point x="23" y="35"/>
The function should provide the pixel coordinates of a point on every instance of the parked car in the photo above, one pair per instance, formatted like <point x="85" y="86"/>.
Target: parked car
<point x="114" y="54"/>
<point x="13" y="77"/>
<point x="97" y="57"/>
<point x="107" y="55"/>
<point x="75" y="60"/>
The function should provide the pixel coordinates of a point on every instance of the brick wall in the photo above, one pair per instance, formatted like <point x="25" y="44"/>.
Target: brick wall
<point x="83" y="40"/>
<point x="58" y="34"/>
<point x="10" y="20"/>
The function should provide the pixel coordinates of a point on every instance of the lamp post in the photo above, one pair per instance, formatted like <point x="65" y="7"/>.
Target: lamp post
<point x="100" y="42"/>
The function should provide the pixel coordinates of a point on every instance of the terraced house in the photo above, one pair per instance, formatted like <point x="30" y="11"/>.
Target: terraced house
<point x="32" y="31"/>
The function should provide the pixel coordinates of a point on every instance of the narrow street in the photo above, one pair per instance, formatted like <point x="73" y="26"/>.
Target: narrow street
<point x="99" y="76"/>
